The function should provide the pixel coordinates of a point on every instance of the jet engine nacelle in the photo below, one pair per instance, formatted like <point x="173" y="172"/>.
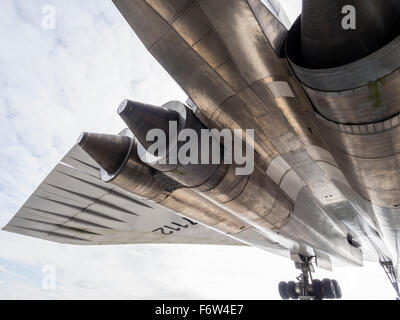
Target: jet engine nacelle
<point x="213" y="192"/>
<point x="352" y="79"/>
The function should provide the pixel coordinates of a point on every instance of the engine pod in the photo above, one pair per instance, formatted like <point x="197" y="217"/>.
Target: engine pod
<point x="357" y="106"/>
<point x="171" y="116"/>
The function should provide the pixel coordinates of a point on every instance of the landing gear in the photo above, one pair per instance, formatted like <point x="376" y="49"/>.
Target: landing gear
<point x="317" y="292"/>
<point x="283" y="290"/>
<point x="390" y="271"/>
<point x="338" y="291"/>
<point x="292" y="290"/>
<point x="308" y="288"/>
<point x="289" y="290"/>
<point x="328" y="289"/>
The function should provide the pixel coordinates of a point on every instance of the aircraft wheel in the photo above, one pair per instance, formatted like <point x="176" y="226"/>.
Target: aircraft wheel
<point x="317" y="289"/>
<point x="291" y="287"/>
<point x="283" y="290"/>
<point x="338" y="291"/>
<point x="328" y="289"/>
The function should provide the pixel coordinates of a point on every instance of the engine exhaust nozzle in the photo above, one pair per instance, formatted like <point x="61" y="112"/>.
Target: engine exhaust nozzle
<point x="141" y="118"/>
<point x="107" y="150"/>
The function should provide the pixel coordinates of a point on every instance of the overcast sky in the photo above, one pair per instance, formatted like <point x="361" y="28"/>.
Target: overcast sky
<point x="56" y="83"/>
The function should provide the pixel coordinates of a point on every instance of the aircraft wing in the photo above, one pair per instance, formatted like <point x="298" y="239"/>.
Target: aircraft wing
<point x="72" y="205"/>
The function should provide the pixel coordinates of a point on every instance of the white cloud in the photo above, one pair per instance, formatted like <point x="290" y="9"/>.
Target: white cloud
<point x="57" y="83"/>
<point x="163" y="272"/>
<point x="292" y="8"/>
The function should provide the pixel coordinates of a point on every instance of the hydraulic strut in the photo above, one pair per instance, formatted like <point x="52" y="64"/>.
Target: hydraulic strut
<point x="390" y="271"/>
<point x="305" y="278"/>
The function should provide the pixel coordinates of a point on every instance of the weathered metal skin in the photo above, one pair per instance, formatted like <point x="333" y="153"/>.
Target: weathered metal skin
<point x="141" y="118"/>
<point x="318" y="229"/>
<point x="324" y="41"/>
<point x="369" y="157"/>
<point x="130" y="173"/>
<point x="229" y="207"/>
<point x="137" y="178"/>
<point x="362" y="92"/>
<point x="377" y="101"/>
<point x="255" y="198"/>
<point x="357" y="104"/>
<point x="109" y="150"/>
<point x="233" y="72"/>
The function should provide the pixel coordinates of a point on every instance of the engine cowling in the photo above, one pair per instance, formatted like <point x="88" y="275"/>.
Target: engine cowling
<point x="352" y="79"/>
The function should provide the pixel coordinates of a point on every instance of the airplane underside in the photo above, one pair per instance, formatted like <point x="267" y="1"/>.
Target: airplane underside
<point x="323" y="102"/>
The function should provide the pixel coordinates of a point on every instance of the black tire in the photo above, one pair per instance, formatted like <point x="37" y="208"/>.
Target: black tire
<point x="283" y="290"/>
<point x="338" y="291"/>
<point x="291" y="287"/>
<point x="328" y="289"/>
<point x="317" y="289"/>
